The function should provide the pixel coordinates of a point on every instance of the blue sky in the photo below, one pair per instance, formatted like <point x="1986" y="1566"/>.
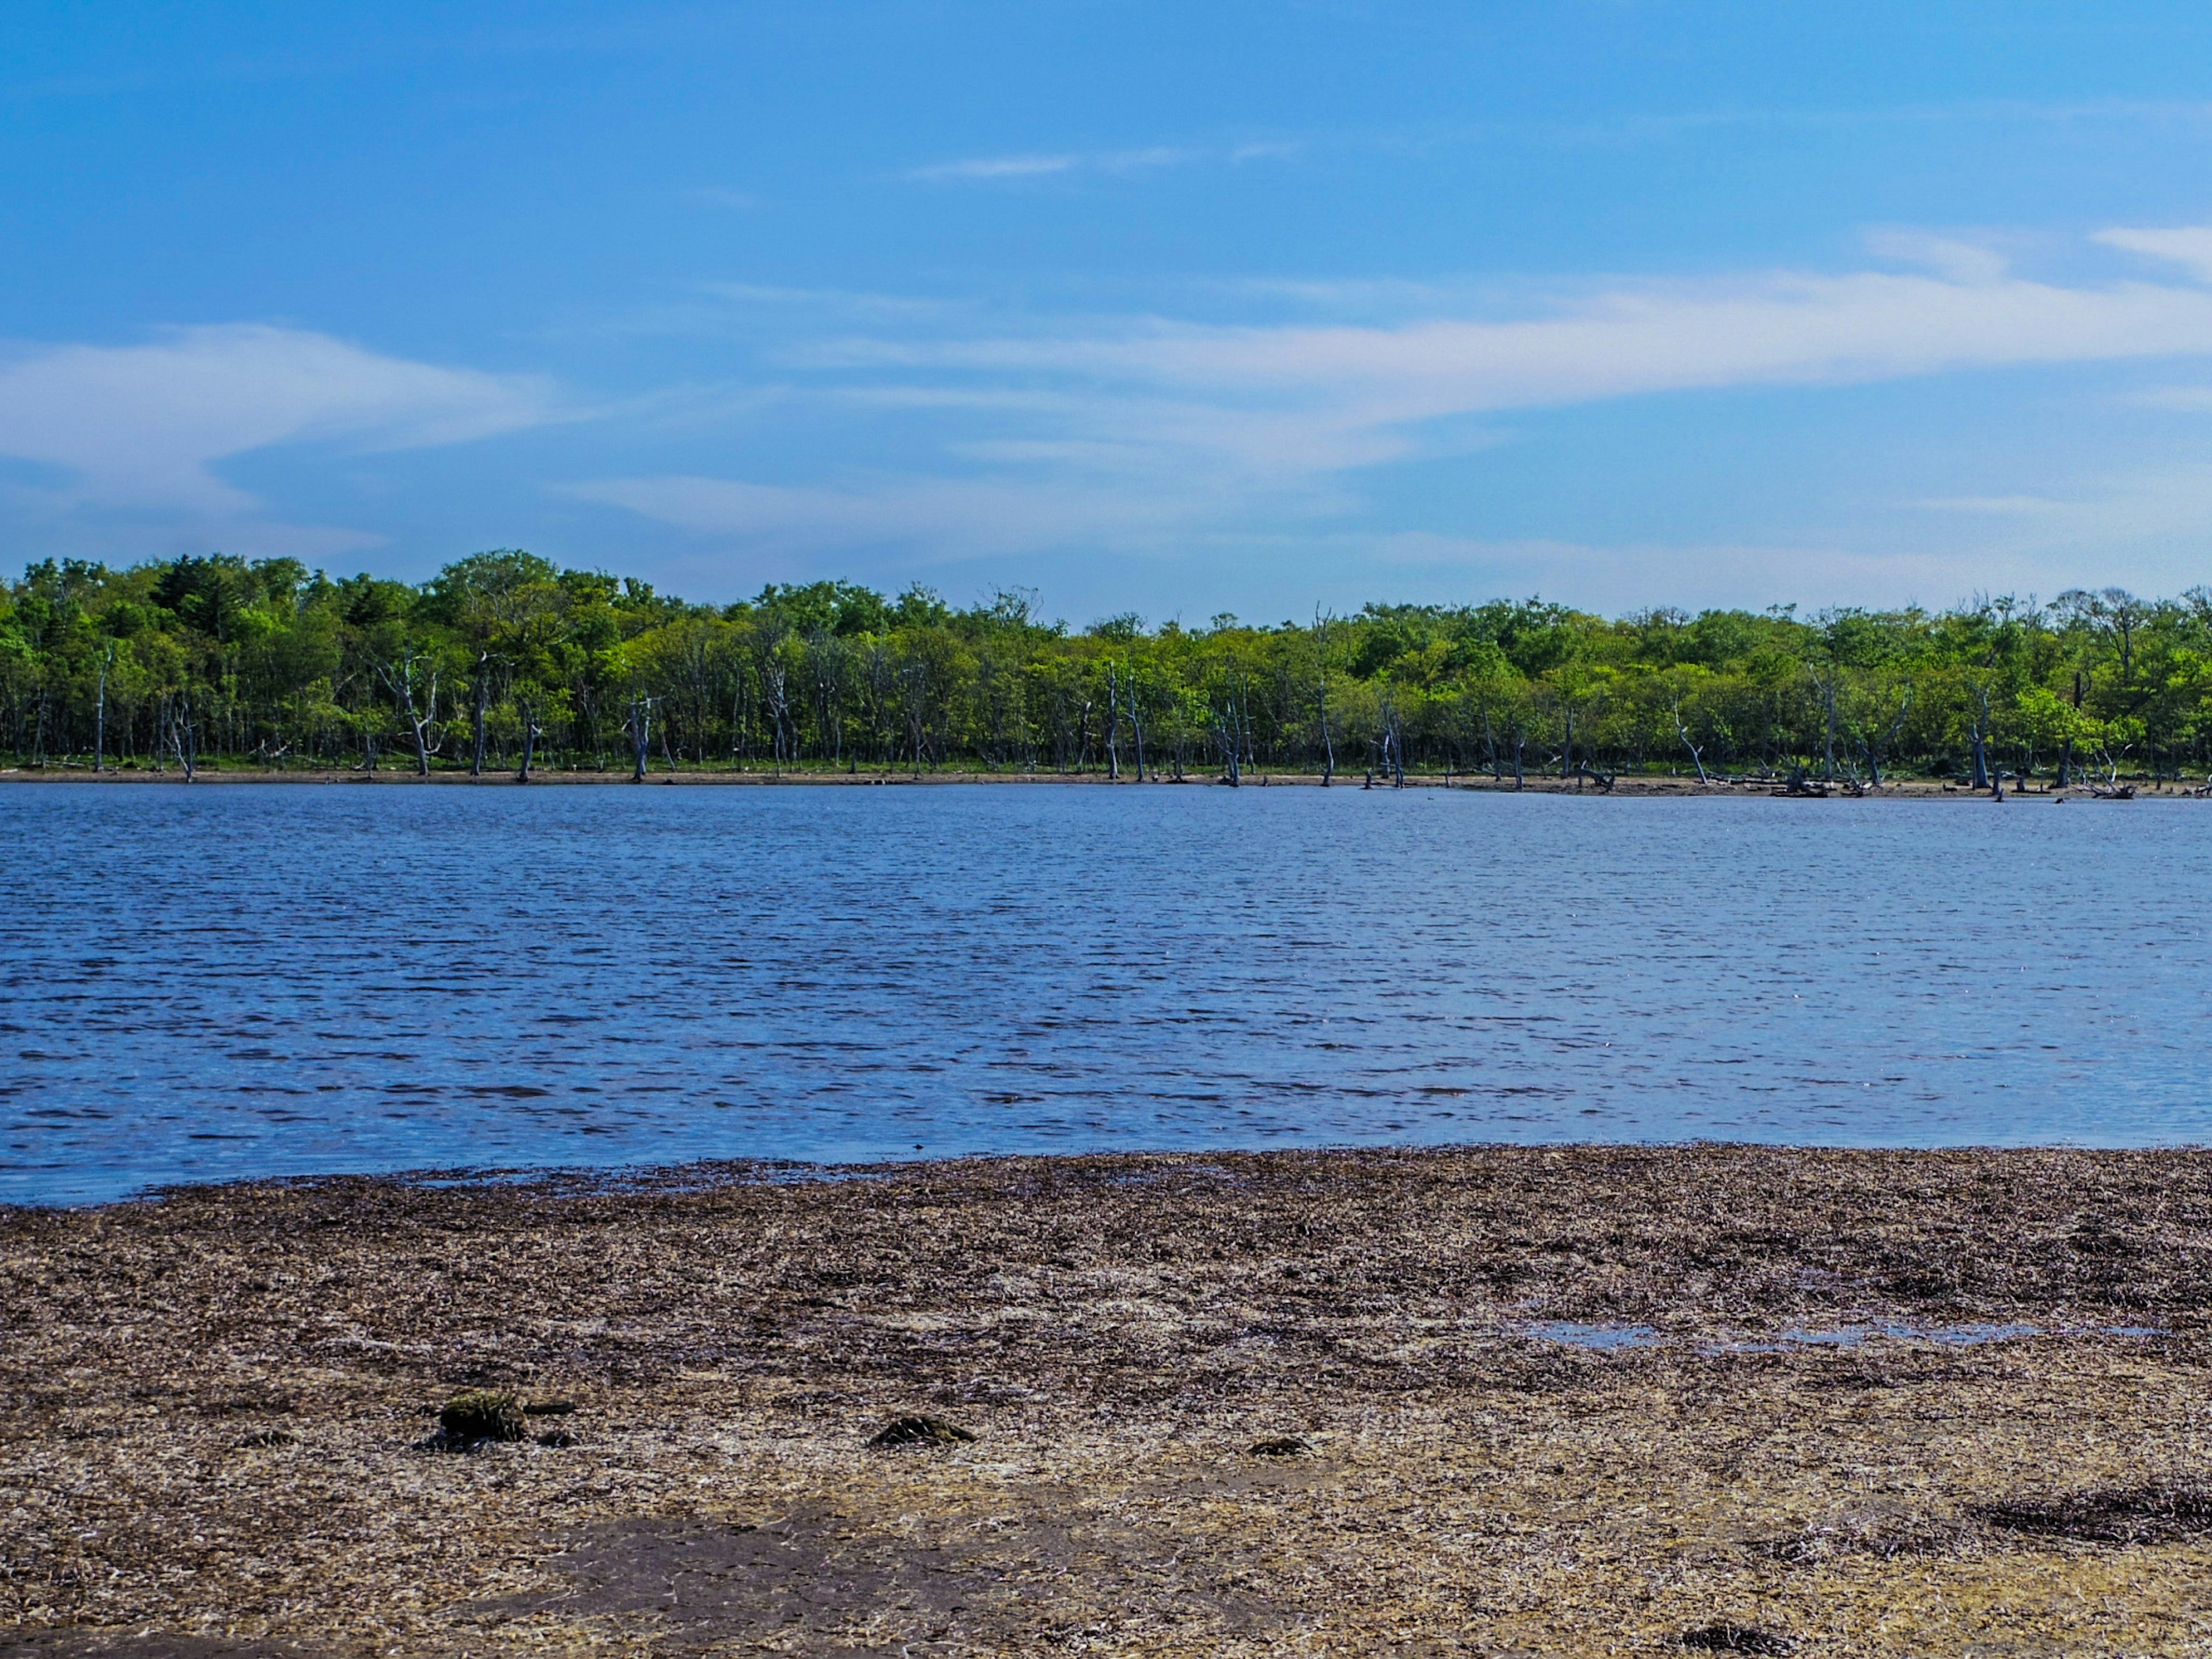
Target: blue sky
<point x="1170" y="308"/>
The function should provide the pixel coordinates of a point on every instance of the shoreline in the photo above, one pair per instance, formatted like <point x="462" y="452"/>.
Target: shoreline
<point x="1483" y="1400"/>
<point x="1624" y="784"/>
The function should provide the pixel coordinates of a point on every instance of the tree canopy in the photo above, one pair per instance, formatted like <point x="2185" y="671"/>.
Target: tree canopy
<point x="505" y="660"/>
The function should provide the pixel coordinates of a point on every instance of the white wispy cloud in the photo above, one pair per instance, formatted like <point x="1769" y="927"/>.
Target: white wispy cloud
<point x="987" y="168"/>
<point x="2168" y="503"/>
<point x="1785" y="329"/>
<point x="1136" y="430"/>
<point x="2189" y="246"/>
<point x="146" y="426"/>
<point x="1015" y="168"/>
<point x="1954" y="257"/>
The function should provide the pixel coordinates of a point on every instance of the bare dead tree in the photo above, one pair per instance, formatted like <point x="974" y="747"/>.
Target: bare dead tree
<point x="1825" y="686"/>
<point x="826" y="669"/>
<point x="2066" y="750"/>
<point x="183" y="735"/>
<point x="1137" y="722"/>
<point x="420" y="714"/>
<point x="638" y="724"/>
<point x="482" y="707"/>
<point x="1113" y="725"/>
<point x="531" y="730"/>
<point x="916" y="679"/>
<point x="1977" y="733"/>
<point x="1392" y="757"/>
<point x="1321" y="621"/>
<point x="1875" y="752"/>
<point x="1697" y="757"/>
<point x="775" y="692"/>
<point x="99" y="715"/>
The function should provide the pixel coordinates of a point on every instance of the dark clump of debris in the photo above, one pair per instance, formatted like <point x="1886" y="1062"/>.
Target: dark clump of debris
<point x="1879" y="1534"/>
<point x="919" y="1432"/>
<point x="1736" y="1638"/>
<point x="1286" y="1445"/>
<point x="474" y="1419"/>
<point x="2136" y="1515"/>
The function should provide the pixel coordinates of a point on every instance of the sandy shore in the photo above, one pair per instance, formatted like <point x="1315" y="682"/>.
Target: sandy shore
<point x="1827" y="1403"/>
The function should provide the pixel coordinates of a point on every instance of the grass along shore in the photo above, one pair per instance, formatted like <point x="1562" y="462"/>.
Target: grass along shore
<point x="1582" y="1400"/>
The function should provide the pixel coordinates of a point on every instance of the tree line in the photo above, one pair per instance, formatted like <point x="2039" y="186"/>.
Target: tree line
<point x="505" y="662"/>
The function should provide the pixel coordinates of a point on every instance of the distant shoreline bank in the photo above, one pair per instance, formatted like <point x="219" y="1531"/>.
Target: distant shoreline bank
<point x="1461" y="782"/>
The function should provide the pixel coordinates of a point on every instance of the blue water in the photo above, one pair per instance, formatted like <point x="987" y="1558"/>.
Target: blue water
<point x="236" y="980"/>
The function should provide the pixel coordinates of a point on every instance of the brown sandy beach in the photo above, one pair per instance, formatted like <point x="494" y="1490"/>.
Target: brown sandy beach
<point x="215" y="1405"/>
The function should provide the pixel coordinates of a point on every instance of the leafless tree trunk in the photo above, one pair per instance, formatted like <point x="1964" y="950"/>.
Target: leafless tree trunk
<point x="420" y="717"/>
<point x="531" y="733"/>
<point x="1113" y="725"/>
<point x="778" y="703"/>
<point x="1873" y="756"/>
<point x="1137" y="723"/>
<point x="2066" y="752"/>
<point x="184" y="736"/>
<point x="917" y="711"/>
<point x="1321" y="621"/>
<point x="1696" y="758"/>
<point x="99" y="715"/>
<point x="640" y="726"/>
<point x="483" y="703"/>
<point x="1394" y="745"/>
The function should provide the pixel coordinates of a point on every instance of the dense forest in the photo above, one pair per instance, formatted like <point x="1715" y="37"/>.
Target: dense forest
<point x="504" y="662"/>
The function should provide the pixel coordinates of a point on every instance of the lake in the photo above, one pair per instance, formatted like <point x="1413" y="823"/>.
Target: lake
<point x="237" y="980"/>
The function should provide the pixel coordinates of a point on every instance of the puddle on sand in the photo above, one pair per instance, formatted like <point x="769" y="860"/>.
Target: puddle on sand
<point x="1850" y="1336"/>
<point x="1604" y="1338"/>
<point x="1608" y="1338"/>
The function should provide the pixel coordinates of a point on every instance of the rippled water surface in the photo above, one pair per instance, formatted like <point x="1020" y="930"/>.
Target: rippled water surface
<point x="241" y="979"/>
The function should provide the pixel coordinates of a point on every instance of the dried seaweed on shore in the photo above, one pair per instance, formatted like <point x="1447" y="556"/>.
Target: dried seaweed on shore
<point x="1856" y="1373"/>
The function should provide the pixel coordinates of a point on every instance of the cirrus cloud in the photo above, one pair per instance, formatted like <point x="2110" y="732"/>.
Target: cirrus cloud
<point x="1220" y="423"/>
<point x="1783" y="329"/>
<point x="146" y="426"/>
